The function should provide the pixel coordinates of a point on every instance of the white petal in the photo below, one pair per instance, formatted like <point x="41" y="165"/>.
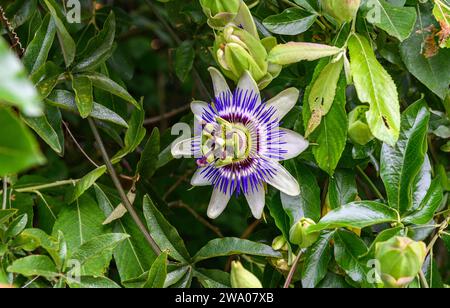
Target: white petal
<point x="248" y="85"/>
<point x="284" y="181"/>
<point x="218" y="203"/>
<point x="185" y="148"/>
<point x="284" y="102"/>
<point x="219" y="82"/>
<point x="293" y="143"/>
<point x="256" y="200"/>
<point x="199" y="179"/>
<point x="198" y="107"/>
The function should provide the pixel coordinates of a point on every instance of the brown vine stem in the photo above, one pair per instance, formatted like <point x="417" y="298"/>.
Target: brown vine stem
<point x="79" y="146"/>
<point x="15" y="40"/>
<point x="198" y="217"/>
<point x="123" y="195"/>
<point x="292" y="271"/>
<point x="371" y="184"/>
<point x="165" y="116"/>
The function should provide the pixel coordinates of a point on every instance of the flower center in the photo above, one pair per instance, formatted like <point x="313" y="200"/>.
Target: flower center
<point x="225" y="143"/>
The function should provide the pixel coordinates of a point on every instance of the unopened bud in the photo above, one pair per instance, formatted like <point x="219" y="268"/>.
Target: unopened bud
<point x="220" y="12"/>
<point x="358" y="130"/>
<point x="242" y="278"/>
<point x="298" y="234"/>
<point x="400" y="260"/>
<point x="341" y="10"/>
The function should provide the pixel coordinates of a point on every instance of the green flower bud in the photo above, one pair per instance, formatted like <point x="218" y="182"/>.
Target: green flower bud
<point x="279" y="243"/>
<point x="358" y="130"/>
<point x="298" y="234"/>
<point x="341" y="10"/>
<point x="242" y="278"/>
<point x="220" y="12"/>
<point x="237" y="51"/>
<point x="400" y="259"/>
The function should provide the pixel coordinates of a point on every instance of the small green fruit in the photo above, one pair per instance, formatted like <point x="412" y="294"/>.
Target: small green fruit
<point x="341" y="10"/>
<point x="358" y="129"/>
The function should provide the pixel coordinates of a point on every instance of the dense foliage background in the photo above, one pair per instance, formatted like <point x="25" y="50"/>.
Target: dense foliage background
<point x="86" y="110"/>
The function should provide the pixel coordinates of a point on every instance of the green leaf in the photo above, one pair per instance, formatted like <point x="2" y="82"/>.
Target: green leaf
<point x="134" y="135"/>
<point x="397" y="21"/>
<point x="80" y="223"/>
<point x="279" y="215"/>
<point x="292" y="21"/>
<point x="90" y="282"/>
<point x="315" y="265"/>
<point x="46" y="78"/>
<point x="232" y="246"/>
<point x="402" y="163"/>
<point x="375" y="87"/>
<point x="68" y="46"/>
<point x="5" y="215"/>
<point x="323" y="93"/>
<point x="86" y="182"/>
<point x="165" y="235"/>
<point x="348" y="248"/>
<point x="342" y="188"/>
<point x="43" y="128"/>
<point x="432" y="274"/>
<point x="34" y="266"/>
<point x="97" y="246"/>
<point x="149" y="158"/>
<point x="429" y="205"/>
<point x="307" y="204"/>
<point x="84" y="97"/>
<point x="176" y="274"/>
<point x="184" y="60"/>
<point x="15" y="88"/>
<point x="434" y="71"/>
<point x="18" y="148"/>
<point x="99" y="48"/>
<point x="294" y="52"/>
<point x="104" y="83"/>
<point x="359" y="214"/>
<point x="133" y="257"/>
<point x="37" y="51"/>
<point x="331" y="135"/>
<point x="16" y="226"/>
<point x="66" y="100"/>
<point x="210" y="278"/>
<point x="158" y="272"/>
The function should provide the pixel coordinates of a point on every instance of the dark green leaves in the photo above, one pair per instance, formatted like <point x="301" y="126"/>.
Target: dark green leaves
<point x="357" y="215"/>
<point x="99" y="48"/>
<point x="165" y="235"/>
<point x="67" y="44"/>
<point x="395" y="20"/>
<point x="433" y="70"/>
<point x="315" y="266"/>
<point x="401" y="164"/>
<point x="291" y="22"/>
<point x="232" y="246"/>
<point x="37" y="51"/>
<point x="158" y="272"/>
<point x="184" y="60"/>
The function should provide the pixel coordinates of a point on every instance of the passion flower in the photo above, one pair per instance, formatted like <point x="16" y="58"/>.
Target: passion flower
<point x="239" y="144"/>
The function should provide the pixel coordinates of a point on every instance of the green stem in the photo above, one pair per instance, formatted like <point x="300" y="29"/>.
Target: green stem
<point x="371" y="184"/>
<point x="423" y="279"/>
<point x="123" y="195"/>
<point x="45" y="186"/>
<point x="5" y="193"/>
